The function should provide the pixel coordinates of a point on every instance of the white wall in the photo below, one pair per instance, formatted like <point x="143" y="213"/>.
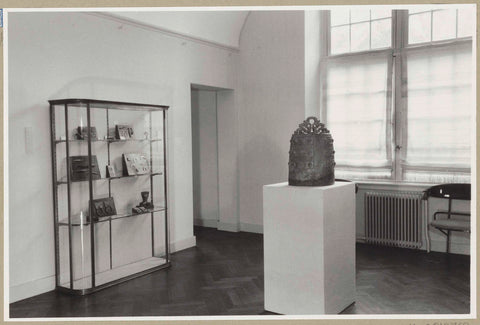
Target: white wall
<point x="61" y="55"/>
<point x="205" y="157"/>
<point x="271" y="104"/>
<point x="222" y="27"/>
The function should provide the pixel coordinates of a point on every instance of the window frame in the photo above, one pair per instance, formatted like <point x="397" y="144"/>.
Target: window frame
<point x="397" y="107"/>
<point x="329" y="48"/>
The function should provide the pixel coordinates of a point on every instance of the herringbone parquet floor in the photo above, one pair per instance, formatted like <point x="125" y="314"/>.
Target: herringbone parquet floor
<point x="223" y="275"/>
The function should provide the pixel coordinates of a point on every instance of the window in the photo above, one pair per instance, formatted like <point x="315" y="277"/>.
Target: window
<point x="437" y="25"/>
<point x="360" y="30"/>
<point x="397" y="93"/>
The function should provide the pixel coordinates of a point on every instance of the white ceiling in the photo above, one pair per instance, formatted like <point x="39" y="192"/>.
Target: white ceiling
<point x="222" y="27"/>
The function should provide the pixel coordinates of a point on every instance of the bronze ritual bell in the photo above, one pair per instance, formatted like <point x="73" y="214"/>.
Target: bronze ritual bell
<point x="311" y="156"/>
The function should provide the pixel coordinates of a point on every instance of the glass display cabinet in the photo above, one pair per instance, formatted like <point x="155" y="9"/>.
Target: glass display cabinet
<point x="109" y="192"/>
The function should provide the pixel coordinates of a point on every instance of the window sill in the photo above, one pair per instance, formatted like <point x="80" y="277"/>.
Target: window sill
<point x="391" y="185"/>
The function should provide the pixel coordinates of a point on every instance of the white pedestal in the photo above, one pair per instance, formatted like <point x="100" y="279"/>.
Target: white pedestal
<point x="309" y="248"/>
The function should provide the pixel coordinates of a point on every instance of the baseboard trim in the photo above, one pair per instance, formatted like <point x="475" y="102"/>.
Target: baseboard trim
<point x="183" y="244"/>
<point x="32" y="288"/>
<point x="210" y="223"/>
<point x="224" y="226"/>
<point x="250" y="227"/>
<point x="436" y="246"/>
<point x="455" y="248"/>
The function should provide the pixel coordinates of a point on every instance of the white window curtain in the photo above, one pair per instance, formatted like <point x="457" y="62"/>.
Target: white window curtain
<point x="357" y="112"/>
<point x="437" y="90"/>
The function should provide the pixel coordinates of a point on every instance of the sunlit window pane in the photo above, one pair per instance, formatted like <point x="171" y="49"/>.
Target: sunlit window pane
<point x="444" y="24"/>
<point x="360" y="37"/>
<point x="358" y="15"/>
<point x="381" y="13"/>
<point x="339" y="17"/>
<point x="439" y="25"/>
<point x="417" y="10"/>
<point x="419" y="28"/>
<point x="340" y="39"/>
<point x="381" y="33"/>
<point x="465" y="22"/>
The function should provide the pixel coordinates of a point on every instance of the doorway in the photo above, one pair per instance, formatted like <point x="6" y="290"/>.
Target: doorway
<point x="205" y="156"/>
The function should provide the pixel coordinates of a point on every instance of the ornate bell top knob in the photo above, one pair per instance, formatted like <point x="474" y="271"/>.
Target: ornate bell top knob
<point x="311" y="125"/>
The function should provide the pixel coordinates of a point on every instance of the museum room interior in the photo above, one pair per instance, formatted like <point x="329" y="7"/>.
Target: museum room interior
<point x="113" y="116"/>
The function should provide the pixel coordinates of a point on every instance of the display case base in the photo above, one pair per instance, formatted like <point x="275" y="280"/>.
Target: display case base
<point x="114" y="276"/>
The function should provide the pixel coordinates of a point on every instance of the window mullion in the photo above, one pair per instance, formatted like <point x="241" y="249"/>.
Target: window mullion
<point x="400" y="127"/>
<point x="431" y="26"/>
<point x="456" y="23"/>
<point x="325" y="24"/>
<point x="349" y="31"/>
<point x="325" y="52"/>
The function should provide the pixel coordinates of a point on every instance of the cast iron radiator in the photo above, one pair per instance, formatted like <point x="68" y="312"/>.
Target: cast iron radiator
<point x="394" y="218"/>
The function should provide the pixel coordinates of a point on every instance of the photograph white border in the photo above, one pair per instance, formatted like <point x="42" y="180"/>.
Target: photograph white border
<point x="103" y="10"/>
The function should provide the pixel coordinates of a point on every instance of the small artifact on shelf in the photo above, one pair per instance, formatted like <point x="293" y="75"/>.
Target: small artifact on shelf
<point x="83" y="134"/>
<point x="110" y="171"/>
<point x="145" y="203"/>
<point x="139" y="210"/>
<point x="311" y="155"/>
<point x="135" y="164"/>
<point x="123" y="132"/>
<point x="103" y="208"/>
<point x="143" y="206"/>
<point x="79" y="168"/>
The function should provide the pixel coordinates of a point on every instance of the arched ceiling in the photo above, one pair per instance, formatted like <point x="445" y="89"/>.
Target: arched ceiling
<point x="221" y="27"/>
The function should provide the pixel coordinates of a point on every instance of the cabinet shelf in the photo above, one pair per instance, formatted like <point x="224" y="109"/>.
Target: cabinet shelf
<point x="128" y="176"/>
<point x="63" y="180"/>
<point x="133" y="140"/>
<point x="107" y="140"/>
<point x="76" y="218"/>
